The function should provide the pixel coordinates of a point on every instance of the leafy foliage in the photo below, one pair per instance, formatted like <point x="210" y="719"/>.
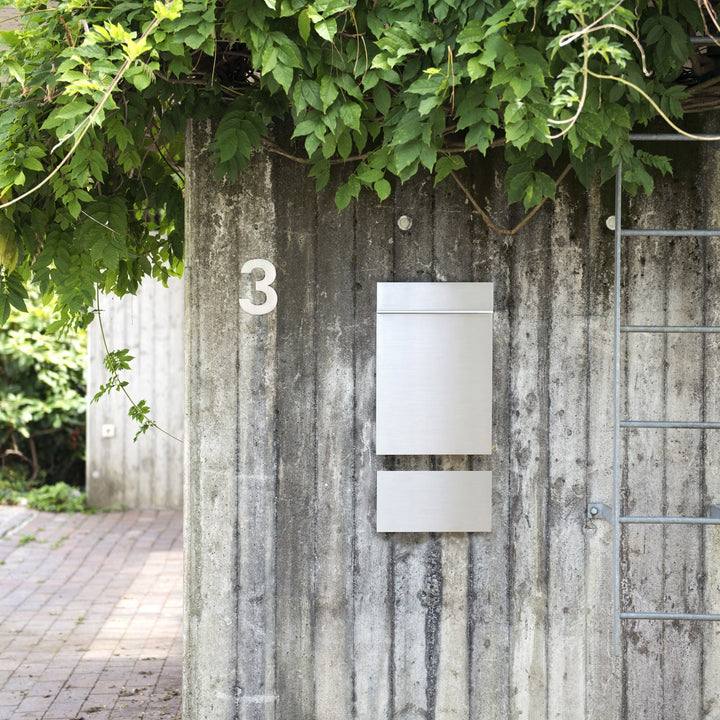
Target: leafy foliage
<point x="15" y="489"/>
<point x="59" y="497"/>
<point x="13" y="483"/>
<point x="42" y="399"/>
<point x="95" y="99"/>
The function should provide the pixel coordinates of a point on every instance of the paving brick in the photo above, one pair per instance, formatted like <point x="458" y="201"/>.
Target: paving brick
<point x="31" y="715"/>
<point x="34" y="703"/>
<point x="79" y="610"/>
<point x="62" y="709"/>
<point x="106" y="701"/>
<point x="46" y="688"/>
<point x="11" y="699"/>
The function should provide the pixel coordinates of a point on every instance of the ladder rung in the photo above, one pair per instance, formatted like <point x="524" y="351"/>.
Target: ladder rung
<point x="669" y="520"/>
<point x="677" y="137"/>
<point x="667" y="616"/>
<point x="670" y="424"/>
<point x="671" y="328"/>
<point x="657" y="232"/>
<point x="704" y="40"/>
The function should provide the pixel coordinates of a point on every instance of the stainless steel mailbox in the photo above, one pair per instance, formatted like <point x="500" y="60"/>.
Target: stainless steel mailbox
<point x="434" y="368"/>
<point x="434" y="501"/>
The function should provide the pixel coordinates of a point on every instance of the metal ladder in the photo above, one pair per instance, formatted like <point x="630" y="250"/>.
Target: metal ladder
<point x="613" y="513"/>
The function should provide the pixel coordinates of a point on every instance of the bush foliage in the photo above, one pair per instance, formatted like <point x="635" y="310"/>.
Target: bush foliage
<point x="42" y="400"/>
<point x="15" y="489"/>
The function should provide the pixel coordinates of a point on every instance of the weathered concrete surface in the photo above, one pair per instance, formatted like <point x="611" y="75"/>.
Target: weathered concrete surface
<point x="147" y="473"/>
<point x="8" y="19"/>
<point x="296" y="609"/>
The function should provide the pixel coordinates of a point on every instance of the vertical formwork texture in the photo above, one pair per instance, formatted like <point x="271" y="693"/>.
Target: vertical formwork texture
<point x="296" y="609"/>
<point x="148" y="472"/>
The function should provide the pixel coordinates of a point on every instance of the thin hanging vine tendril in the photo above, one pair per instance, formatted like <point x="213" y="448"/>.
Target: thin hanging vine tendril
<point x="663" y="115"/>
<point x="120" y="385"/>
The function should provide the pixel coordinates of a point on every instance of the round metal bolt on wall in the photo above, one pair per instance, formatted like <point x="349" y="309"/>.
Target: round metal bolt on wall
<point x="404" y="222"/>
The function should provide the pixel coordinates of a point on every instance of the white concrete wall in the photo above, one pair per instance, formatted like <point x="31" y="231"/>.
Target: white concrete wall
<point x="147" y="473"/>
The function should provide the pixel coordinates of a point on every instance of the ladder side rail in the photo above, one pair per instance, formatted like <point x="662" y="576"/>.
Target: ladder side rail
<point x="670" y="424"/>
<point x="616" y="412"/>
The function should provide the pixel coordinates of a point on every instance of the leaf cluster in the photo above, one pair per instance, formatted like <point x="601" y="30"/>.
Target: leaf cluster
<point x="99" y="144"/>
<point x="42" y="396"/>
<point x="95" y="98"/>
<point x="59" y="497"/>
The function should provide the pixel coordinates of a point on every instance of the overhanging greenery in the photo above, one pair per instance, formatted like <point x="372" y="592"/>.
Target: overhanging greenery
<point x="95" y="97"/>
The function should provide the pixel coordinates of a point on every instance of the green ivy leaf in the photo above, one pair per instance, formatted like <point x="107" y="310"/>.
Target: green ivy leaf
<point x="382" y="188"/>
<point x="8" y="244"/>
<point x="344" y="144"/>
<point x="328" y="91"/>
<point x="304" y="24"/>
<point x="447" y="164"/>
<point x="326" y="29"/>
<point x="382" y="98"/>
<point x="350" y="114"/>
<point x="343" y="196"/>
<point x="284" y="76"/>
<point x="15" y="69"/>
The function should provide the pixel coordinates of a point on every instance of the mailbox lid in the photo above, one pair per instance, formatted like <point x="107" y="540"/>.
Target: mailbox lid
<point x="463" y="297"/>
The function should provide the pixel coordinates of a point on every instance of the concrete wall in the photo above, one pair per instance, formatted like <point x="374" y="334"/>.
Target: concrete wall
<point x="147" y="473"/>
<point x="296" y="609"/>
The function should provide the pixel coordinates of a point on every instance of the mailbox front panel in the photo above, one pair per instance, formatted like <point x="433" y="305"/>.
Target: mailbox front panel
<point x="434" y="369"/>
<point x="434" y="501"/>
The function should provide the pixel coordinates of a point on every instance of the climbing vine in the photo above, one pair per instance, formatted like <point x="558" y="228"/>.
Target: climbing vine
<point x="95" y="98"/>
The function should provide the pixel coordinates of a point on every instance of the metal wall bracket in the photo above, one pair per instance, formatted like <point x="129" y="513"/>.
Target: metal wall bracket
<point x="599" y="511"/>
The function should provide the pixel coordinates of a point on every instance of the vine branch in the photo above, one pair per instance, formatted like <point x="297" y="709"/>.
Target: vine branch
<point x="657" y="108"/>
<point x="488" y="219"/>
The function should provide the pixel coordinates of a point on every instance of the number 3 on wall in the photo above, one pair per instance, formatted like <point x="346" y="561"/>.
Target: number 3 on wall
<point x="262" y="285"/>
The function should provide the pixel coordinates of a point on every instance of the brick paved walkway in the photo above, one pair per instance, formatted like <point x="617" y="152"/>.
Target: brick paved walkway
<point x="90" y="615"/>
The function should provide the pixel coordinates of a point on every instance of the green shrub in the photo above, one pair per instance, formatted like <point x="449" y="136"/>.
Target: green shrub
<point x="13" y="484"/>
<point x="42" y="400"/>
<point x="15" y="489"/>
<point x="57" y="498"/>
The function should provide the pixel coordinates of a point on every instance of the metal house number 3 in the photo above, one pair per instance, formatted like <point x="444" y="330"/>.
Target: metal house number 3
<point x="263" y="285"/>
